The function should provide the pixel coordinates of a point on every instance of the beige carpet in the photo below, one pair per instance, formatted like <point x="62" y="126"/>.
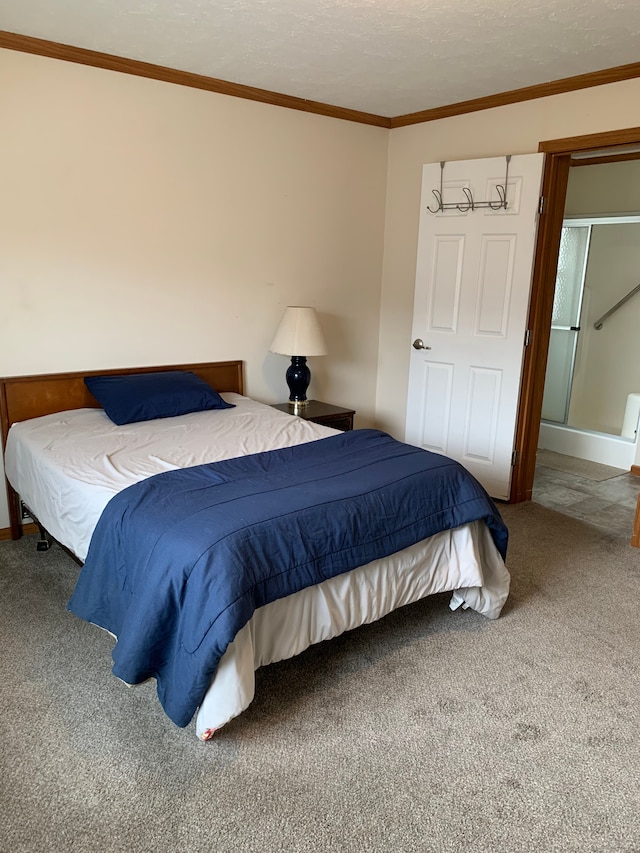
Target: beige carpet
<point x="578" y="467"/>
<point x="426" y="732"/>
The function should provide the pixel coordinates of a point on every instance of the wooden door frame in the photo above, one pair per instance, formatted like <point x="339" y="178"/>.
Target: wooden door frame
<point x="558" y="154"/>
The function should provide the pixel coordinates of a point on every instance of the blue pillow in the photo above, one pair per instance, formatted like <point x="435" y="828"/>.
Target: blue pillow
<point x="132" y="397"/>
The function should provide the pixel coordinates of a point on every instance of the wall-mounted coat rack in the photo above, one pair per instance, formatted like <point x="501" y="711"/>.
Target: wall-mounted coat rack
<point x="470" y="204"/>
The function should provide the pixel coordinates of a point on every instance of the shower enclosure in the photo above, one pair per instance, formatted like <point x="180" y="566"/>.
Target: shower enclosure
<point x="591" y="402"/>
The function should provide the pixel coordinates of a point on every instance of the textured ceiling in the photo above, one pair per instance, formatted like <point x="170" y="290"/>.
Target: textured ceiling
<point x="387" y="57"/>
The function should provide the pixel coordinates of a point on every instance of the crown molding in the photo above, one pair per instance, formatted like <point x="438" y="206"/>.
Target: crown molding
<point x="528" y="93"/>
<point x="109" y="62"/>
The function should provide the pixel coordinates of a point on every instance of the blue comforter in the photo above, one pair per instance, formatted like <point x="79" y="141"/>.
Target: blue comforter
<point x="179" y="562"/>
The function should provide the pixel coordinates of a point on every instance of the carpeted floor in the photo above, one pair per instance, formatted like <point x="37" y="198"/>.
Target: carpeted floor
<point x="428" y="731"/>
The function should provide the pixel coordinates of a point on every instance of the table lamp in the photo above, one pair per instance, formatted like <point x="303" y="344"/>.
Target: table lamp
<point x="298" y="335"/>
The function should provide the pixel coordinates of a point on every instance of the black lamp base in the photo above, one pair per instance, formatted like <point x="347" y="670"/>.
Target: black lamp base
<point x="298" y="377"/>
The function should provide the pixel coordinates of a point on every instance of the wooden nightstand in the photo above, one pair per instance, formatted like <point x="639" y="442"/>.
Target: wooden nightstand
<point x="321" y="413"/>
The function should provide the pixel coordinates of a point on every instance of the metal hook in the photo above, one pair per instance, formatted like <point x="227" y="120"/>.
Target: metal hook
<point x="438" y="198"/>
<point x="470" y="205"/>
<point x="503" y="198"/>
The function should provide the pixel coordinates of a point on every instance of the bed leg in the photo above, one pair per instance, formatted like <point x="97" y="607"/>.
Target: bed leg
<point x="44" y="542"/>
<point x="14" y="513"/>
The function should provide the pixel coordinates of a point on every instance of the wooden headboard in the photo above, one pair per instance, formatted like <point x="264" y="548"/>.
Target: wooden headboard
<point x="24" y="397"/>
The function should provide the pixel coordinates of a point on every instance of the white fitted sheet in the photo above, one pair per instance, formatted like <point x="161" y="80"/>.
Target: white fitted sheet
<point x="67" y="466"/>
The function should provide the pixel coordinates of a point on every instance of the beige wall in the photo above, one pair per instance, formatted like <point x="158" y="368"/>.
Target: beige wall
<point x="147" y="223"/>
<point x="514" y="129"/>
<point x="143" y="222"/>
<point x="604" y="188"/>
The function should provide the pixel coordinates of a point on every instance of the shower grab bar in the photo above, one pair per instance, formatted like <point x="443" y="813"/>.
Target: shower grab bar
<point x="598" y="323"/>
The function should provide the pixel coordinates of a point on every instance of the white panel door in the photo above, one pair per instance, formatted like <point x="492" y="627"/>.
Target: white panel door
<point x="473" y="282"/>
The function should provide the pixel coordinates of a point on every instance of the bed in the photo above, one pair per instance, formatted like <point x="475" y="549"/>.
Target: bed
<point x="77" y="472"/>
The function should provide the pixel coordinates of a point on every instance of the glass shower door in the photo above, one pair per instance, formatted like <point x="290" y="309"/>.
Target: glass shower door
<point x="565" y="322"/>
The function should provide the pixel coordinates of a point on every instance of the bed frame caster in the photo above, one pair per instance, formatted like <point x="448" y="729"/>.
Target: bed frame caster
<point x="45" y="541"/>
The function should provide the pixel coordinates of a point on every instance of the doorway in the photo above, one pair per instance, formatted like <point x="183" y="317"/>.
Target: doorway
<point x="591" y="401"/>
<point x="613" y="146"/>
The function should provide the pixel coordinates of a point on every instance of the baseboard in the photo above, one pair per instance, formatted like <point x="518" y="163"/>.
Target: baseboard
<point x="27" y="529"/>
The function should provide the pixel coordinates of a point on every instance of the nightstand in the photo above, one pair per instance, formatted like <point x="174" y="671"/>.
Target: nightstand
<point x="321" y="413"/>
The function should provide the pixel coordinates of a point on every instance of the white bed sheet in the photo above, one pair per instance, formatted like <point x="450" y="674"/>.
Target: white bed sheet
<point x="67" y="466"/>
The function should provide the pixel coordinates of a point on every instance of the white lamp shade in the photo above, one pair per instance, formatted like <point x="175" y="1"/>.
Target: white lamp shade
<point x="299" y="333"/>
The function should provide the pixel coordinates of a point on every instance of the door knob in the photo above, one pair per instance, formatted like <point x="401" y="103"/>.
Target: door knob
<point x="419" y="344"/>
